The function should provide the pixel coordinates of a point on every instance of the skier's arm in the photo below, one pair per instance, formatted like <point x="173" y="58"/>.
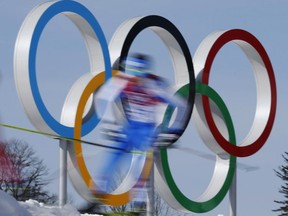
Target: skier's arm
<point x="105" y="98"/>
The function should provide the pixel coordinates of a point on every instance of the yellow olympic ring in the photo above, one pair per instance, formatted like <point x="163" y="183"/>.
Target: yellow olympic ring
<point x="111" y="198"/>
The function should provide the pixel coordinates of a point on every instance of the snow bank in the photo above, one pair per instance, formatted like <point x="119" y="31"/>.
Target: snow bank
<point x="37" y="209"/>
<point x="11" y="207"/>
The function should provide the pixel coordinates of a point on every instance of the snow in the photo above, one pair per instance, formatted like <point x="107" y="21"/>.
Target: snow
<point x="9" y="206"/>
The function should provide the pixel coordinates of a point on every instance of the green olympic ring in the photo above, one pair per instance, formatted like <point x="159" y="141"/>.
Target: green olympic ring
<point x="162" y="162"/>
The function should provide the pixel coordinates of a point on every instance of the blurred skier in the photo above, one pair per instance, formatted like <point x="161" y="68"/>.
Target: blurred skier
<point x="139" y="92"/>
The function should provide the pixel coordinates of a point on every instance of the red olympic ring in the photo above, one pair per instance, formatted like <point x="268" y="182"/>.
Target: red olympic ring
<point x="245" y="40"/>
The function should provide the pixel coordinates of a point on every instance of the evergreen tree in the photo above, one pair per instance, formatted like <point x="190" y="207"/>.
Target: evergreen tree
<point x="282" y="173"/>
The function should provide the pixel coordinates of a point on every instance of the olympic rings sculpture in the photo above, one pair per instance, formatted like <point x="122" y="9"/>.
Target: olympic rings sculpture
<point x="79" y="117"/>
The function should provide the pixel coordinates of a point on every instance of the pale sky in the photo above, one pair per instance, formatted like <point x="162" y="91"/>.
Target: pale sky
<point x="62" y="59"/>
